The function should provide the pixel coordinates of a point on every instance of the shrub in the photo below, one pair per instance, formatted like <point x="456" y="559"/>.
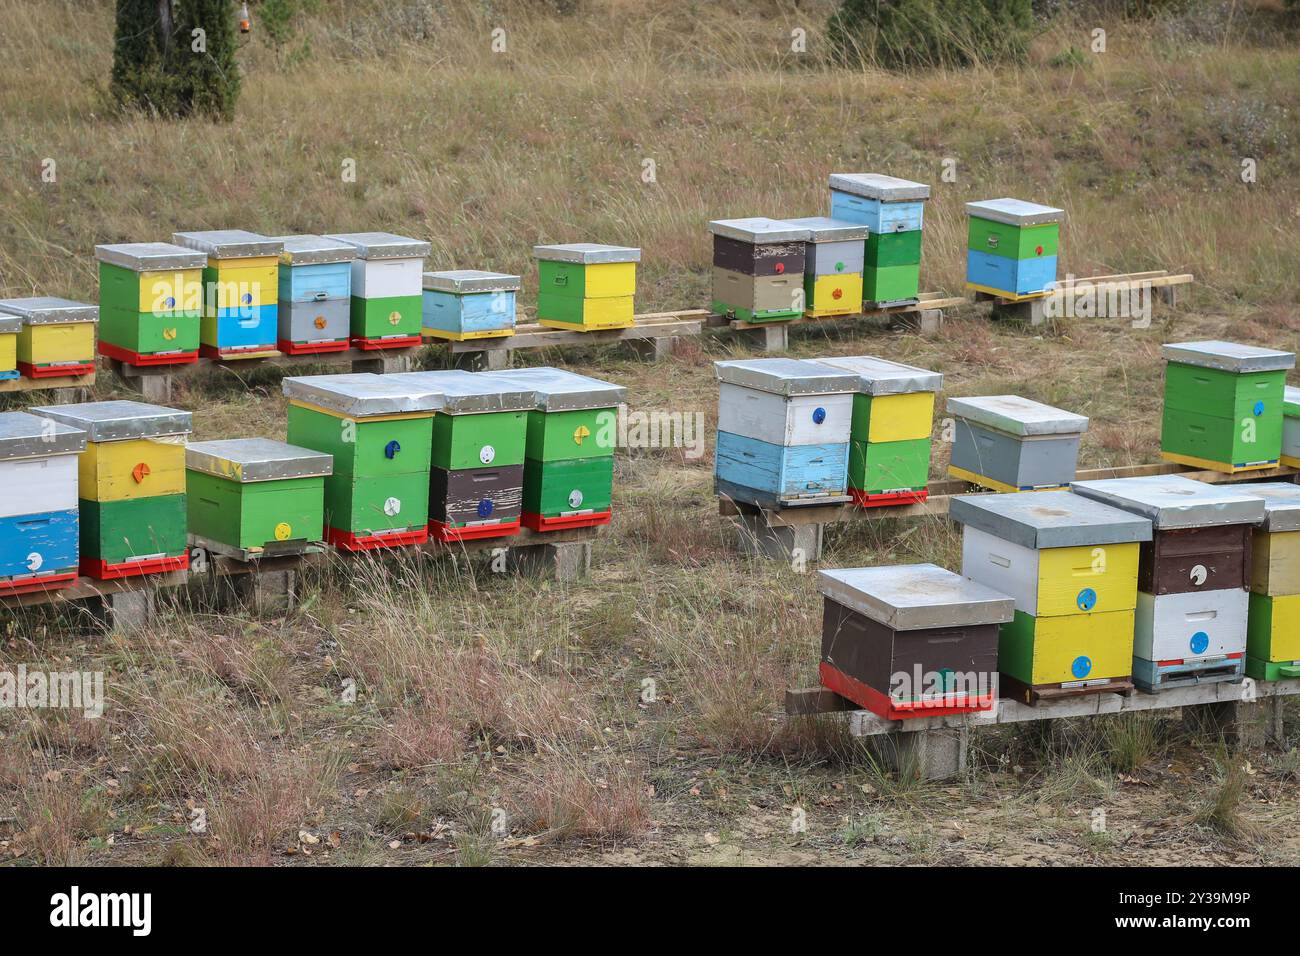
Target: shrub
<point x="903" y="33"/>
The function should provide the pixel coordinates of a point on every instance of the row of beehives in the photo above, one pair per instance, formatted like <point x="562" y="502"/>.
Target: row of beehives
<point x="1157" y="581"/>
<point x="233" y="294"/>
<point x="111" y="489"/>
<point x="867" y="253"/>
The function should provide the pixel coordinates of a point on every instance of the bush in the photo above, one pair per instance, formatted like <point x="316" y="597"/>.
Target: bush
<point x="903" y="33"/>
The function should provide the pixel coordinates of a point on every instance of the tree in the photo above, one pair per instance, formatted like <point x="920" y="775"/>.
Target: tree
<point x="205" y="61"/>
<point x="141" y="48"/>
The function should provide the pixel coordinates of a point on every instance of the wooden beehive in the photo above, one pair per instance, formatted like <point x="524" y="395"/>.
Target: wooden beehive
<point x="57" y="337"/>
<point x="783" y="432"/>
<point x="758" y="269"/>
<point x="150" y="302"/>
<point x="1290" y="427"/>
<point x="241" y="289"/>
<point x="38" y="503"/>
<point x="1224" y="405"/>
<point x="379" y="435"/>
<point x="1009" y="443"/>
<point x="912" y="640"/>
<point x="1273" y="630"/>
<point x="469" y="304"/>
<point x="315" y="293"/>
<point x="832" y="279"/>
<point x="586" y="286"/>
<point x="131" y="480"/>
<point x="1192" y="575"/>
<point x="387" y="293"/>
<point x="1071" y="566"/>
<point x="1011" y="247"/>
<point x="256" y="496"/>
<point x="893" y="210"/>
<point x="10" y="327"/>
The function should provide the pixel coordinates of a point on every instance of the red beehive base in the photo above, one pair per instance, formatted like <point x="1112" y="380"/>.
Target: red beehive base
<point x="882" y="705"/>
<point x="447" y="534"/>
<point x="311" y="348"/>
<point x="864" y="500"/>
<point x="401" y="342"/>
<point x="347" y="541"/>
<point x="55" y="371"/>
<point x="128" y="357"/>
<point x="543" y="523"/>
<point x="51" y="582"/>
<point x="103" y="571"/>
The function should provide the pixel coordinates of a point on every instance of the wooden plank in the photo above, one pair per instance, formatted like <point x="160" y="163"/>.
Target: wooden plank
<point x="84" y="588"/>
<point x="522" y="539"/>
<point x="815" y="700"/>
<point x="279" y="360"/>
<point x="927" y="301"/>
<point x="40" y="384"/>
<point x="655" y="325"/>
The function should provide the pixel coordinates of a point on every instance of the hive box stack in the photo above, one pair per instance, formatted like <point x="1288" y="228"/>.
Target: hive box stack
<point x="1290" y="427"/>
<point x="241" y="288"/>
<point x="585" y="286"/>
<point x="379" y="435"/>
<point x="57" y="337"/>
<point x="1009" y="443"/>
<point x="783" y="432"/>
<point x="469" y="304"/>
<point x="758" y="269"/>
<point x="893" y="211"/>
<point x="132" y="486"/>
<point x="315" y="295"/>
<point x="150" y="302"/>
<point x="1012" y="247"/>
<point x="479" y="432"/>
<point x="10" y="327"/>
<point x="569" y="455"/>
<point x="1224" y="405"/>
<point x="1192" y="576"/>
<point x="1273" y="630"/>
<point x="38" y="503"/>
<point x="387" y="296"/>
<point x="1071" y="566"/>
<point x="833" y="257"/>
<point x="911" y="640"/>
<point x="256" y="496"/>
<point x="889" y="450"/>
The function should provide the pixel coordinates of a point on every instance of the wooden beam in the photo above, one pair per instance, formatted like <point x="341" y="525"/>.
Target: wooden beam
<point x="39" y="384"/>
<point x="808" y="701"/>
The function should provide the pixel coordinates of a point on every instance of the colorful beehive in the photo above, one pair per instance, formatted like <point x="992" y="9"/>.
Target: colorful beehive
<point x="387" y="296"/>
<point x="256" y="496"/>
<point x="1273" y="629"/>
<point x="150" y="302"/>
<point x="1071" y="566"/>
<point x="1192" y="576"/>
<point x="241" y="288"/>
<point x="569" y="455"/>
<point x="38" y="503"/>
<point x="132" y="486"/>
<point x="1009" y="443"/>
<point x="378" y="432"/>
<point x="911" y="640"/>
<point x="469" y="304"/>
<point x="893" y="414"/>
<point x="893" y="210"/>
<point x="57" y="337"/>
<point x="480" y="431"/>
<point x="1011" y="247"/>
<point x="1224" y="405"/>
<point x="783" y="432"/>
<point x="585" y="285"/>
<point x="315" y="310"/>
<point x="1290" y="427"/>
<point x="758" y="269"/>
<point x="832" y="278"/>
<point x="10" y="327"/>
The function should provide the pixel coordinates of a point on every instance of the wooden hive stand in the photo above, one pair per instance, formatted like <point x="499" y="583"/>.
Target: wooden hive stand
<point x="1032" y="309"/>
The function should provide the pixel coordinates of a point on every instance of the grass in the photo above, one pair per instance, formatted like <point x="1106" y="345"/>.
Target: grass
<point x="500" y="719"/>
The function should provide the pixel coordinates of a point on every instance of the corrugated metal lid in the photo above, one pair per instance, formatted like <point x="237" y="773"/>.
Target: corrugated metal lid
<point x="586" y="253"/>
<point x="1172" y="501"/>
<point x="1291" y="401"/>
<point x="249" y="460"/>
<point x="826" y="229"/>
<point x="228" y="243"/>
<point x="1014" y="212"/>
<point x="464" y="281"/>
<point x="879" y="186"/>
<point x="877" y="376"/>
<point x="786" y="376"/>
<point x="912" y="597"/>
<point x="120" y="420"/>
<point x="1049" y="519"/>
<point x="50" y="310"/>
<point x="758" y="230"/>
<point x="310" y="250"/>
<point x="1281" y="504"/>
<point x="1228" y="356"/>
<point x="1017" y="416"/>
<point x="383" y="245"/>
<point x="23" y="435"/>
<point x="150" y="256"/>
<point x="466" y="393"/>
<point x="360" y="395"/>
<point x="560" y="391"/>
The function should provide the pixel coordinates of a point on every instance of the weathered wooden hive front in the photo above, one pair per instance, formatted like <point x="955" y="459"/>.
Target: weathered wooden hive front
<point x="758" y="268"/>
<point x="1009" y="443"/>
<point x="469" y="304"/>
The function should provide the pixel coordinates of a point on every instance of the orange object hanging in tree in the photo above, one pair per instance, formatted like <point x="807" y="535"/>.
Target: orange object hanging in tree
<point x="245" y="21"/>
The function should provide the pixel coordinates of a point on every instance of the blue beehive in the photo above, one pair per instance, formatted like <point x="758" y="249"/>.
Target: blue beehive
<point x="315" y="287"/>
<point x="469" y="304"/>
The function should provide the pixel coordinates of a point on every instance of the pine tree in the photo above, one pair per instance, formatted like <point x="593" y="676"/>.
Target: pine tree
<point x="142" y="45"/>
<point x="205" y="61"/>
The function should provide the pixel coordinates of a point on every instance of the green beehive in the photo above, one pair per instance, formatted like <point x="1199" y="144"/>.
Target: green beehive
<point x="379" y="435"/>
<point x="150" y="302"/>
<point x="256" y="496"/>
<point x="1224" y="405"/>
